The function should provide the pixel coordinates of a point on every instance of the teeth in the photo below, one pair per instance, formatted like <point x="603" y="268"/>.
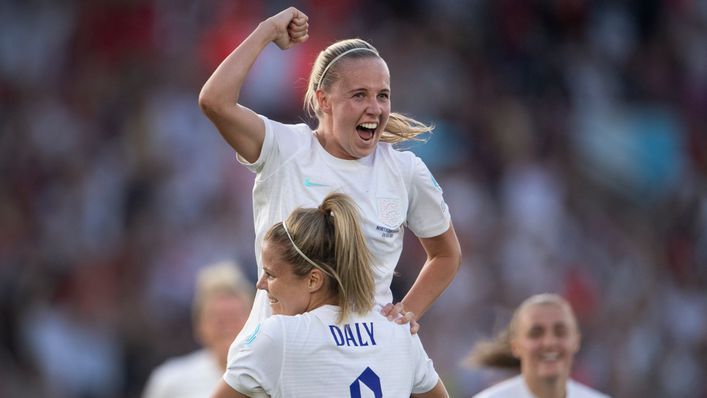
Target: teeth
<point x="371" y="126"/>
<point x="550" y="356"/>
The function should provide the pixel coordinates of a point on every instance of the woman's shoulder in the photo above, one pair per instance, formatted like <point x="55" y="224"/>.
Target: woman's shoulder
<point x="298" y="131"/>
<point x="512" y="387"/>
<point x="401" y="157"/>
<point x="300" y="128"/>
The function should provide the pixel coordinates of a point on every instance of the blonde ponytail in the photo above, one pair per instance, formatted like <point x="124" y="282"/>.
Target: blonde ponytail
<point x="402" y="128"/>
<point x="495" y="353"/>
<point x="352" y="258"/>
<point x="330" y="239"/>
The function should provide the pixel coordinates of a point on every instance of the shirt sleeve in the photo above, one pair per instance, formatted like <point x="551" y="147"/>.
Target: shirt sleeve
<point x="426" y="377"/>
<point x="256" y="366"/>
<point x="428" y="214"/>
<point x="266" y="150"/>
<point x="156" y="386"/>
<point x="280" y="142"/>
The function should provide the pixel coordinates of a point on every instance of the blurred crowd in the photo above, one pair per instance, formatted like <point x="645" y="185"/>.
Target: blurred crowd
<point x="570" y="140"/>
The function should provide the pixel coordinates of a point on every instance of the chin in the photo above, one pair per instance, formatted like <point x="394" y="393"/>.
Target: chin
<point x="363" y="152"/>
<point x="551" y="375"/>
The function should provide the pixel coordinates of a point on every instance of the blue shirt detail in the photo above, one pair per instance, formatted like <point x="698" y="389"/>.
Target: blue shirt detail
<point x="308" y="183"/>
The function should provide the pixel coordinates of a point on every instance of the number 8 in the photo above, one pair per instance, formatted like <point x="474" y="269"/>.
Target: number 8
<point x="371" y="380"/>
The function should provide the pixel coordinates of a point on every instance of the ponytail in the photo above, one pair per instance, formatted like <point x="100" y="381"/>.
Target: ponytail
<point x="330" y="239"/>
<point x="352" y="259"/>
<point x="495" y="353"/>
<point x="402" y="128"/>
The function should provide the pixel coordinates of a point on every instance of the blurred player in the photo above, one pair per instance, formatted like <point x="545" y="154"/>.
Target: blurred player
<point x="316" y="263"/>
<point x="542" y="339"/>
<point x="349" y="152"/>
<point x="221" y="305"/>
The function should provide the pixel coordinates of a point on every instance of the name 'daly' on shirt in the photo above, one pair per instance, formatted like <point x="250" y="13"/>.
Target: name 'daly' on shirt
<point x="356" y="335"/>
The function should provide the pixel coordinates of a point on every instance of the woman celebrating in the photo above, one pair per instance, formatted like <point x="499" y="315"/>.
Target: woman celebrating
<point x="349" y="152"/>
<point x="542" y="339"/>
<point x="317" y="267"/>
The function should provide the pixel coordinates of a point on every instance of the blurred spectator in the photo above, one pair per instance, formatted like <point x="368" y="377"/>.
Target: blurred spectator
<point x="221" y="306"/>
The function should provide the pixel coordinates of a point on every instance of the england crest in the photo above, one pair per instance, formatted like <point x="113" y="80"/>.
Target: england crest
<point x="389" y="212"/>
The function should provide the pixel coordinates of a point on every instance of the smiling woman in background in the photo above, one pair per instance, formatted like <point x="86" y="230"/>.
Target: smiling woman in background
<point x="221" y="305"/>
<point x="542" y="339"/>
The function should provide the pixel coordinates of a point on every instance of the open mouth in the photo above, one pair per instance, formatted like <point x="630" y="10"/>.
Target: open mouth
<point x="550" y="357"/>
<point x="366" y="130"/>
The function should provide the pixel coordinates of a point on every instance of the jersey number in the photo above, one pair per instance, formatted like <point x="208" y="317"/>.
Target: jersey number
<point x="371" y="380"/>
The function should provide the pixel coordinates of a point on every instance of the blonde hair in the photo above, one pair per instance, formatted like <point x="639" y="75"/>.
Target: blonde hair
<point x="324" y="73"/>
<point x="497" y="351"/>
<point x="330" y="238"/>
<point x="221" y="278"/>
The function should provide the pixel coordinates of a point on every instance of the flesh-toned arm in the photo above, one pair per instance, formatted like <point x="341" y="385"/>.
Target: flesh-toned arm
<point x="241" y="127"/>
<point x="223" y="390"/>
<point x="443" y="260"/>
<point x="437" y="392"/>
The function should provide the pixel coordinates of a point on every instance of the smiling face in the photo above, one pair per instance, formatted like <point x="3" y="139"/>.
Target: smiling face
<point x="289" y="293"/>
<point x="545" y="340"/>
<point x="220" y="319"/>
<point x="355" y="108"/>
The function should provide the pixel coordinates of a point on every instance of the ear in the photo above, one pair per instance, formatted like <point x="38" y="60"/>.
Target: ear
<point x="316" y="280"/>
<point x="323" y="101"/>
<point x="578" y="343"/>
<point x="514" y="348"/>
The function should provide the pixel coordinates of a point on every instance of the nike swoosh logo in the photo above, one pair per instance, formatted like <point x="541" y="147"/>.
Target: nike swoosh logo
<point x="308" y="183"/>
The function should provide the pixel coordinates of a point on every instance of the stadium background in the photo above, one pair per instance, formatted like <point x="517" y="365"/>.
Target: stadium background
<point x="571" y="142"/>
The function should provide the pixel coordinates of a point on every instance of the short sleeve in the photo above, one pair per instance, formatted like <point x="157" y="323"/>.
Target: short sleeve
<point x="156" y="386"/>
<point x="426" y="377"/>
<point x="428" y="214"/>
<point x="265" y="151"/>
<point x="281" y="141"/>
<point x="255" y="367"/>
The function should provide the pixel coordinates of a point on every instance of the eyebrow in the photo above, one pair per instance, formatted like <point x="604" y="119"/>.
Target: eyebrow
<point x="386" y="90"/>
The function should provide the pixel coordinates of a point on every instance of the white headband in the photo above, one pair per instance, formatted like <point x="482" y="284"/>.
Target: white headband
<point x="333" y="61"/>
<point x="315" y="265"/>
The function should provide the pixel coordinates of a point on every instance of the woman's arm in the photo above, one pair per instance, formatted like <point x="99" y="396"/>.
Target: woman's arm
<point x="223" y="390"/>
<point x="239" y="126"/>
<point x="437" y="392"/>
<point x="443" y="260"/>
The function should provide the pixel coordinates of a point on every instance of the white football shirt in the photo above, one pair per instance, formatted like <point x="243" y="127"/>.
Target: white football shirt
<point x="309" y="355"/>
<point x="189" y="376"/>
<point x="392" y="188"/>
<point x="515" y="387"/>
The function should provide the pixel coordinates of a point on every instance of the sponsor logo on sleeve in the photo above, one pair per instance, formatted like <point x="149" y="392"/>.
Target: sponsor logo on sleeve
<point x="252" y="337"/>
<point x="434" y="182"/>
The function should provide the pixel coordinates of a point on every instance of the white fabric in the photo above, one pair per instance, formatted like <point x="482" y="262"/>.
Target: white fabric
<point x="306" y="356"/>
<point x="516" y="388"/>
<point x="392" y="189"/>
<point x="189" y="376"/>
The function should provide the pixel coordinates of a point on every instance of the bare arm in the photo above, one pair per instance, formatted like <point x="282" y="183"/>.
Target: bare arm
<point x="437" y="392"/>
<point x="238" y="125"/>
<point x="443" y="260"/>
<point x="223" y="390"/>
